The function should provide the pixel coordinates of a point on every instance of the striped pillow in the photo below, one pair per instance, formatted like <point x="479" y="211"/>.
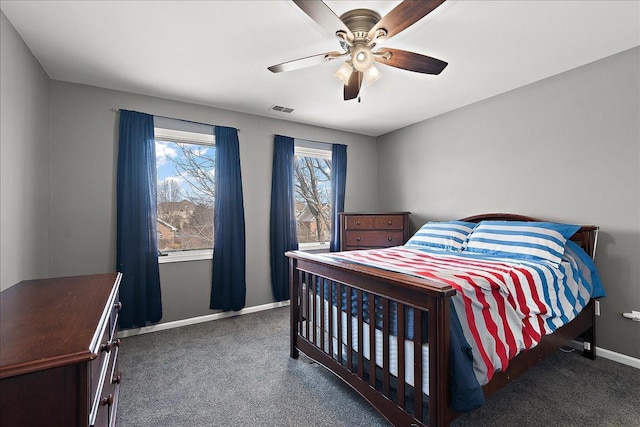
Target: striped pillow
<point x="449" y="235"/>
<point x="520" y="239"/>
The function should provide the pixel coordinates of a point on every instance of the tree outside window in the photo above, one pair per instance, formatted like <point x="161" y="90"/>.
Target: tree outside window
<point x="313" y="196"/>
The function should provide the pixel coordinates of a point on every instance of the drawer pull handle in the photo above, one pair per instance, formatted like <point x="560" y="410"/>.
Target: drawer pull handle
<point x="389" y="238"/>
<point x="110" y="345"/>
<point x="106" y="401"/>
<point x="389" y="222"/>
<point x="118" y="306"/>
<point x="117" y="378"/>
<point x="358" y="222"/>
<point x="358" y="238"/>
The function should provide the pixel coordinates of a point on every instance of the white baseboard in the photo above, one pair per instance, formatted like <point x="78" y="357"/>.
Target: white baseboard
<point x="199" y="319"/>
<point x="600" y="352"/>
<point x="611" y="355"/>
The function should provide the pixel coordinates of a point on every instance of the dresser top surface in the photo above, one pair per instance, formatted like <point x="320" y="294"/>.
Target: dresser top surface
<point x="52" y="321"/>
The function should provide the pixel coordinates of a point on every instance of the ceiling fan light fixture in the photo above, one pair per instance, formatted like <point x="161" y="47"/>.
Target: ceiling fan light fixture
<point x="344" y="73"/>
<point x="371" y="75"/>
<point x="362" y="57"/>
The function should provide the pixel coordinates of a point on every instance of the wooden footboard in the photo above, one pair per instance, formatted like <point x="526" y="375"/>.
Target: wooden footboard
<point x="318" y="330"/>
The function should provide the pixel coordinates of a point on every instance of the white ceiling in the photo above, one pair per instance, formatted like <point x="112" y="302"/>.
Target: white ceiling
<point x="216" y="53"/>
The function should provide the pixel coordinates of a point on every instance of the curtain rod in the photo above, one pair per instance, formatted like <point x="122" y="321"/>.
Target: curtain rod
<point x="305" y="139"/>
<point x="172" y="118"/>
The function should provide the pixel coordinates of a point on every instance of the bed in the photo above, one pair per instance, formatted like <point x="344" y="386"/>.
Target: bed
<point x="404" y="338"/>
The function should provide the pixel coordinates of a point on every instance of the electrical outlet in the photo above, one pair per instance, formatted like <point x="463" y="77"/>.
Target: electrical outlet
<point x="597" y="307"/>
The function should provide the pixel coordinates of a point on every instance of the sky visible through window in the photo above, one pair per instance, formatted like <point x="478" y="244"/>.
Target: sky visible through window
<point x="169" y="155"/>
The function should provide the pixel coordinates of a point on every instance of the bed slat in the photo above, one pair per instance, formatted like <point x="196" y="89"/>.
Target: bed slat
<point x="315" y="308"/>
<point x="417" y="363"/>
<point x="386" y="331"/>
<point x="307" y="307"/>
<point x="339" y="321"/>
<point x="349" y="331"/>
<point x="360" y="334"/>
<point x="401" y="369"/>
<point x="322" y="313"/>
<point x="330" y="317"/>
<point x="372" y="341"/>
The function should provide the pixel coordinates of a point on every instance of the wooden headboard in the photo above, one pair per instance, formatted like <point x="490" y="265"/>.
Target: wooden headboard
<point x="586" y="237"/>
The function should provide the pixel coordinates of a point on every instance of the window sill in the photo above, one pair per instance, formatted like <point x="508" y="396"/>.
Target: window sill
<point x="316" y="247"/>
<point x="181" y="256"/>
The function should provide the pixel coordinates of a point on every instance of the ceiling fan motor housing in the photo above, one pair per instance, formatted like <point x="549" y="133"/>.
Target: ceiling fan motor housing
<point x="360" y="21"/>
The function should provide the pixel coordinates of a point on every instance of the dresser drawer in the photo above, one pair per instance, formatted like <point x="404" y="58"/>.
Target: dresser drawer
<point x="389" y="222"/>
<point x="375" y="238"/>
<point x="359" y="222"/>
<point x="106" y="416"/>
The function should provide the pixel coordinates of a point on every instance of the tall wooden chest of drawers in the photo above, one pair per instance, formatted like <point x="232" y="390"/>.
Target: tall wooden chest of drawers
<point x="58" y="358"/>
<point x="365" y="230"/>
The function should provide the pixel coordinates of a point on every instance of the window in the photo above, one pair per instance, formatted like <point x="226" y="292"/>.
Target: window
<point x="185" y="163"/>
<point x="312" y="172"/>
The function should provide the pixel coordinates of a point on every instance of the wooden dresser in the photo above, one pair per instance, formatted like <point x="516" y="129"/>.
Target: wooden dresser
<point x="58" y="352"/>
<point x="365" y="230"/>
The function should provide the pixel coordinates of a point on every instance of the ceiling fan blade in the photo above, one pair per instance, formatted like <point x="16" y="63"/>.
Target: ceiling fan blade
<point x="305" y="62"/>
<point x="352" y="89"/>
<point x="403" y="16"/>
<point x="409" y="61"/>
<point x="324" y="16"/>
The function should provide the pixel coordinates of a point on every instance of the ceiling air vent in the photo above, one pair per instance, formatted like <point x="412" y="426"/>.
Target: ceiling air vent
<point x="281" y="109"/>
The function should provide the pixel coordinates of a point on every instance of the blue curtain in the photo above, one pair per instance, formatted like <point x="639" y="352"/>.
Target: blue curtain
<point x="137" y="246"/>
<point x="282" y="226"/>
<point x="228" y="287"/>
<point x="338" y="186"/>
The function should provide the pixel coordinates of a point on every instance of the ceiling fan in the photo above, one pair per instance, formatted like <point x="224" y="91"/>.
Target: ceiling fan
<point x="359" y="31"/>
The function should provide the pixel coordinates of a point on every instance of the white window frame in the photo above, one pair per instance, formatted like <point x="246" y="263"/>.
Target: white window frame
<point x="174" y="135"/>
<point x="312" y="149"/>
<point x="178" y="136"/>
<point x="188" y="255"/>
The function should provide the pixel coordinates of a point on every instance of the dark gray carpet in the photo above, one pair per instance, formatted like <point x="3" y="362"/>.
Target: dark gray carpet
<point x="238" y="371"/>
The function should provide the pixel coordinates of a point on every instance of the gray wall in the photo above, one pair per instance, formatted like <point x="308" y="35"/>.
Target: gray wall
<point x="24" y="161"/>
<point x="83" y="165"/>
<point x="566" y="148"/>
